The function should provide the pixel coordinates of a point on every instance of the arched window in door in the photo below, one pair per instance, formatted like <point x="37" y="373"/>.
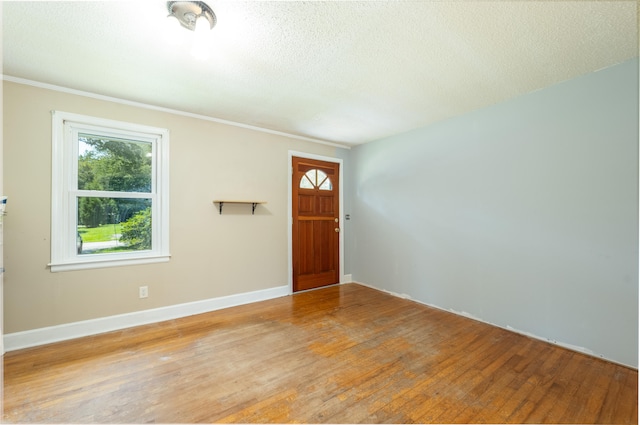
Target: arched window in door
<point x="316" y="179"/>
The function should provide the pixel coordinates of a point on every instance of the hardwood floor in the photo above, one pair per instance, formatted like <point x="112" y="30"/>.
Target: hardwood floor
<point x="343" y="354"/>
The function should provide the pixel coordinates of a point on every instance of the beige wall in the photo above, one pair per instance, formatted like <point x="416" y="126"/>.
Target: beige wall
<point x="212" y="255"/>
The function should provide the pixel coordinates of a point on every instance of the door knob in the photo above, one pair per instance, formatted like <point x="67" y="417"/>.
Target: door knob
<point x="337" y="230"/>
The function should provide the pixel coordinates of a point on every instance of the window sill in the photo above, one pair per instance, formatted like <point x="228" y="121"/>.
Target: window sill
<point x="94" y="263"/>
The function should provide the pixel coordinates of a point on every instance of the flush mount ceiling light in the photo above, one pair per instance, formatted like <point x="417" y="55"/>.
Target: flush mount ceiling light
<point x="197" y="17"/>
<point x="188" y="13"/>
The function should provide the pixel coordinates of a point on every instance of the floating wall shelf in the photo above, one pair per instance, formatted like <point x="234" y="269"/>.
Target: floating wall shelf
<point x="254" y="204"/>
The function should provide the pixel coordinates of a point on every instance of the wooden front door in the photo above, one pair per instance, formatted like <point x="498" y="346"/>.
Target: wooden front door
<point x="316" y="223"/>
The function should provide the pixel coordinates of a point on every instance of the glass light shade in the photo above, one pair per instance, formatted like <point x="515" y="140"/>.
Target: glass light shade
<point x="199" y="49"/>
<point x="202" y="26"/>
<point x="174" y="33"/>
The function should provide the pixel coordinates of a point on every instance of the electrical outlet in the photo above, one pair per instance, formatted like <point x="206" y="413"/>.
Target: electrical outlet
<point x="143" y="291"/>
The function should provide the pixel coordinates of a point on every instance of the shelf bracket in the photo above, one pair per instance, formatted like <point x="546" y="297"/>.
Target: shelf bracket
<point x="253" y="204"/>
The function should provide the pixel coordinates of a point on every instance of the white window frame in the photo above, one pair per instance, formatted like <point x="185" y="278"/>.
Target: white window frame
<point x="64" y="192"/>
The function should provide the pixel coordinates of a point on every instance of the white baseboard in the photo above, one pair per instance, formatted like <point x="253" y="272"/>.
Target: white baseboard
<point x="40" y="336"/>
<point x="347" y="278"/>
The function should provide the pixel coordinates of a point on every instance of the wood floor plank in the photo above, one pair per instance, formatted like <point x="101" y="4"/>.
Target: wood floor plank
<point x="430" y="391"/>
<point x="492" y="385"/>
<point x="610" y="406"/>
<point x="458" y="393"/>
<point x="545" y="392"/>
<point x="342" y="354"/>
<point x="520" y="389"/>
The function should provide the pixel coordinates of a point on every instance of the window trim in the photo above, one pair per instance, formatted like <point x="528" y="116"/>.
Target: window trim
<point x="64" y="256"/>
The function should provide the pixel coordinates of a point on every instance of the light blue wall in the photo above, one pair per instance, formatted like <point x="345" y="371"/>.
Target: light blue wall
<point x="523" y="214"/>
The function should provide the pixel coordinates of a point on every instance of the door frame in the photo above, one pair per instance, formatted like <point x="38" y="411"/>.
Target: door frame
<point x="290" y="211"/>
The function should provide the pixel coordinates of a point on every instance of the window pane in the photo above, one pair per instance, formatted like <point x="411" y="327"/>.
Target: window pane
<point x="321" y="176"/>
<point x="312" y="176"/>
<point x="326" y="184"/>
<point x="113" y="164"/>
<point x="313" y="179"/>
<point x="113" y="225"/>
<point x="305" y="183"/>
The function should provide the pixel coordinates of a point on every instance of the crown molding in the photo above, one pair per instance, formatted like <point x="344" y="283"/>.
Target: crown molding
<point x="67" y="90"/>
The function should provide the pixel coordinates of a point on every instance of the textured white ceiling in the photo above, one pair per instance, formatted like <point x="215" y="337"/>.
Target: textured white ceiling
<point x="340" y="71"/>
